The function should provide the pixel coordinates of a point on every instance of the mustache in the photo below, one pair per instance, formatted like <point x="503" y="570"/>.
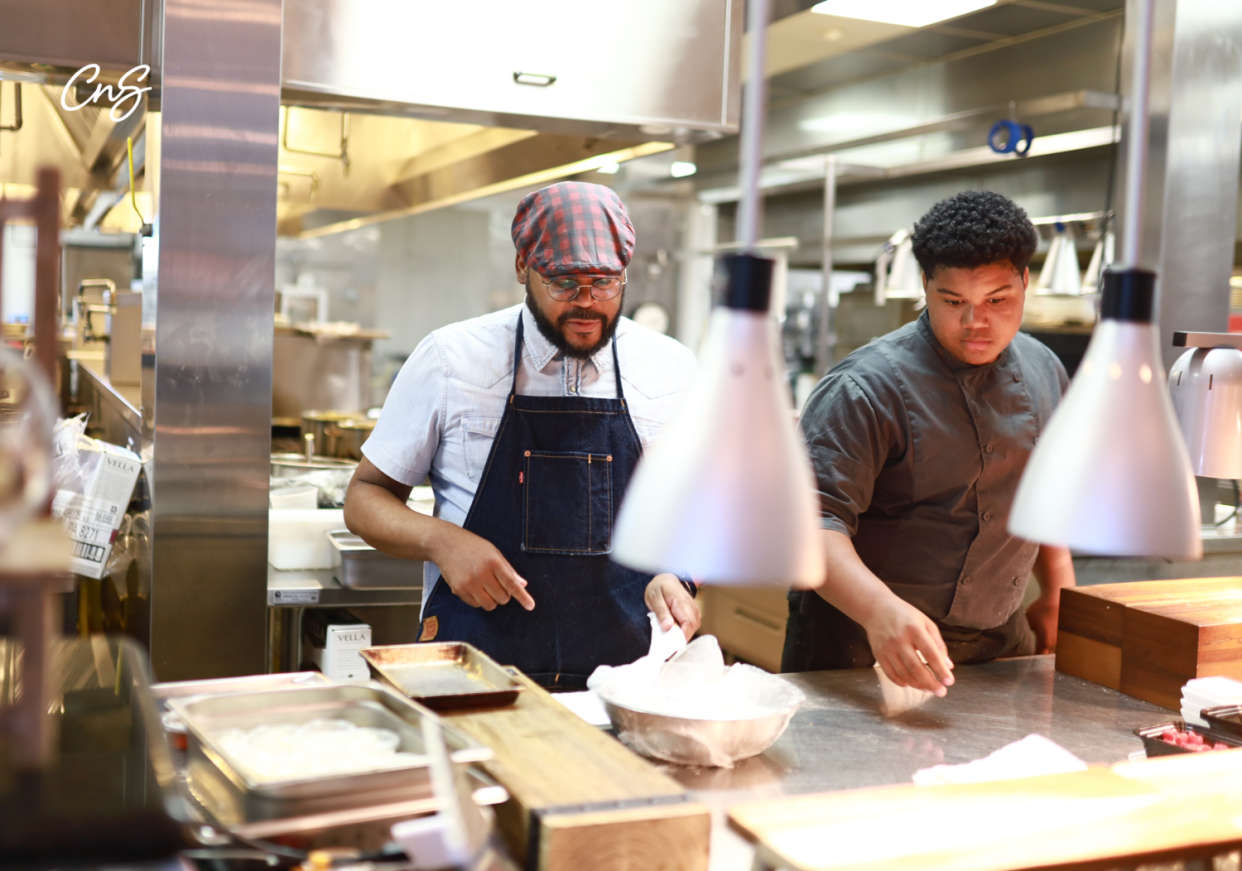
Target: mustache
<point x="584" y="314"/>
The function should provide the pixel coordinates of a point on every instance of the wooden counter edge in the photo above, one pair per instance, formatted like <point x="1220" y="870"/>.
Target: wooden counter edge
<point x="1188" y="806"/>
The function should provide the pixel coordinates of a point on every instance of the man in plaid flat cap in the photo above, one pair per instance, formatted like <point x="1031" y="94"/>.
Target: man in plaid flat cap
<point x="529" y="423"/>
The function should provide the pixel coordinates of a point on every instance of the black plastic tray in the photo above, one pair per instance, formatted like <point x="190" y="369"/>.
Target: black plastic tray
<point x="1157" y="746"/>
<point x="1224" y="720"/>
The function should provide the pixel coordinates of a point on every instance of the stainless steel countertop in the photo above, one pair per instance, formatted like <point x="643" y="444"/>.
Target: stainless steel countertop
<point x="847" y="737"/>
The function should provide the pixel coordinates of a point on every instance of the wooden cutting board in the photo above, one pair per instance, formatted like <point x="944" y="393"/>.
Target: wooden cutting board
<point x="1174" y="807"/>
<point x="1148" y="638"/>
<point x="579" y="798"/>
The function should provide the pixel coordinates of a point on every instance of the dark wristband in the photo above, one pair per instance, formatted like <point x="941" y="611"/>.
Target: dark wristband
<point x="691" y="587"/>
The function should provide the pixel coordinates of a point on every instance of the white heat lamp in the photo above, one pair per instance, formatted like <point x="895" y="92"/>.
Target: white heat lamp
<point x="727" y="494"/>
<point x="1101" y="258"/>
<point x="1059" y="274"/>
<point x="1206" y="386"/>
<point x="1110" y="474"/>
<point x="897" y="272"/>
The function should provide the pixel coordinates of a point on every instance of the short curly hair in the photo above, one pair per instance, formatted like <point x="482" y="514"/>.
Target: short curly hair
<point x="973" y="229"/>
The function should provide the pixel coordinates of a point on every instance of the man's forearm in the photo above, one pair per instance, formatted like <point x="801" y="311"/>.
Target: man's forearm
<point x="1054" y="571"/>
<point x="849" y="586"/>
<point x="389" y="525"/>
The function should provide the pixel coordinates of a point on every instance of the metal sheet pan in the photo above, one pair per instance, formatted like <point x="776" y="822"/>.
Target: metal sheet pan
<point x="164" y="692"/>
<point x="444" y="676"/>
<point x="234" y="797"/>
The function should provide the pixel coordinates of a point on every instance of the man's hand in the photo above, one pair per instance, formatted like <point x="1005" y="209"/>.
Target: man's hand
<point x="899" y="633"/>
<point x="670" y="602"/>
<point x="477" y="573"/>
<point x="1042" y="615"/>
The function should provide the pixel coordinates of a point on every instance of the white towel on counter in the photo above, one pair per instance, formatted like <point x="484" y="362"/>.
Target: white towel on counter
<point x="1033" y="756"/>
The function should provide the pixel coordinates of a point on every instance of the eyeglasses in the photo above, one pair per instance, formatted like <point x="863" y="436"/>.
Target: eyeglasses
<point x="567" y="289"/>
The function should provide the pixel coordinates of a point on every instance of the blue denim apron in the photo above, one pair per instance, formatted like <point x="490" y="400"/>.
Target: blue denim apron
<point x="547" y="498"/>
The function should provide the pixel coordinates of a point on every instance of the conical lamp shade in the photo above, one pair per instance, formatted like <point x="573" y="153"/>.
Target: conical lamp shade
<point x="1101" y="258"/>
<point x="1060" y="271"/>
<point x="1110" y="474"/>
<point x="727" y="493"/>
<point x="905" y="279"/>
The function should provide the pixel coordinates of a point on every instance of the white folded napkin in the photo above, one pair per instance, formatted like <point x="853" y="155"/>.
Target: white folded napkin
<point x="1033" y="756"/>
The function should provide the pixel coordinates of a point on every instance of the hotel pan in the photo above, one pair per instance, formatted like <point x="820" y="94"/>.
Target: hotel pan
<point x="234" y="798"/>
<point x="444" y="676"/>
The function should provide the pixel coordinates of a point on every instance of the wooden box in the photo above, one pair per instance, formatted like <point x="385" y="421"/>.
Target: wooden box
<point x="749" y="622"/>
<point x="1148" y="638"/>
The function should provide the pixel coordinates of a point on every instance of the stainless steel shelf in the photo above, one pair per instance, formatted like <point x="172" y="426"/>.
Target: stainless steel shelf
<point x="290" y="593"/>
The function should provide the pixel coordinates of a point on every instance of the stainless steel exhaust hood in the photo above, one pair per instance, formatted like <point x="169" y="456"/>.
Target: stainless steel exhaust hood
<point x="645" y="69"/>
<point x="391" y="107"/>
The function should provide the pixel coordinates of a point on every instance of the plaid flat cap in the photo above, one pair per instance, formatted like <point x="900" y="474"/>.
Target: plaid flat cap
<point x="573" y="227"/>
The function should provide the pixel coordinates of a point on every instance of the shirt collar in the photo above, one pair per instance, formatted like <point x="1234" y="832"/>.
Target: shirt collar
<point x="541" y="351"/>
<point x="956" y="366"/>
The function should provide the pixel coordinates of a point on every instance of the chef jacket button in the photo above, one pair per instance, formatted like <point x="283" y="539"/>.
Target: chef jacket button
<point x="988" y="448"/>
<point x="965" y="581"/>
<point x="573" y="388"/>
<point x="987" y="515"/>
<point x="1017" y="377"/>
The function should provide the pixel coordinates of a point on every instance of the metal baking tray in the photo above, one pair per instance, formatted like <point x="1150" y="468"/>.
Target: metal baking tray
<point x="1225" y="720"/>
<point x="444" y="676"/>
<point x="358" y="566"/>
<point x="234" y="797"/>
<point x="1157" y="746"/>
<point x="164" y="692"/>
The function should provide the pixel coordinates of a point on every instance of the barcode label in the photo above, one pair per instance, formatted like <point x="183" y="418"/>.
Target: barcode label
<point x="90" y="552"/>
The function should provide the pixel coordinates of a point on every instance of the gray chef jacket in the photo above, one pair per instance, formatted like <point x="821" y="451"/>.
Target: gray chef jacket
<point x="918" y="457"/>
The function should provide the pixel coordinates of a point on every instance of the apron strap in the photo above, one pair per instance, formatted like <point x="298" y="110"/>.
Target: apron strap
<point x="517" y="361"/>
<point x="517" y="358"/>
<point x="616" y="366"/>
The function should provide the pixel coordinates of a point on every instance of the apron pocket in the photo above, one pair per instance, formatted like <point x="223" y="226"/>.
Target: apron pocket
<point x="567" y="503"/>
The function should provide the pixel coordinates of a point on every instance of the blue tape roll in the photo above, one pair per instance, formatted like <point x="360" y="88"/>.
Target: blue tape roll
<point x="1010" y="137"/>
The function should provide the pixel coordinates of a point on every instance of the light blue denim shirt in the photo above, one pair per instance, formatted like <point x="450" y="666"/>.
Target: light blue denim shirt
<point x="443" y="411"/>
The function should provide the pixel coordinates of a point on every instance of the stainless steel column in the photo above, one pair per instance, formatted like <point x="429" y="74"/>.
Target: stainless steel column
<point x="826" y="339"/>
<point x="1195" y="136"/>
<point x="211" y="422"/>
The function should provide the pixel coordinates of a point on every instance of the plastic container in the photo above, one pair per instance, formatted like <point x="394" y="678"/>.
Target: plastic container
<point x="298" y="538"/>
<point x="303" y="497"/>
<point x="1157" y="746"/>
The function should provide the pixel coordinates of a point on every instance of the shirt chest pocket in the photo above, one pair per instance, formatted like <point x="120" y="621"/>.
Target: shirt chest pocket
<point x="477" y="435"/>
<point x="567" y="503"/>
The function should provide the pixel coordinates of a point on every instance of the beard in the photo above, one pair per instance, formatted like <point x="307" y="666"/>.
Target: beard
<point x="554" y="331"/>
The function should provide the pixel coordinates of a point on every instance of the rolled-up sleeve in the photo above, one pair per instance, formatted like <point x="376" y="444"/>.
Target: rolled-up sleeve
<point x="407" y="435"/>
<point x="849" y="445"/>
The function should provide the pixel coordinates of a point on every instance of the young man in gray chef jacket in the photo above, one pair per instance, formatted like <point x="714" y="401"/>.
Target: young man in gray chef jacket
<point x="918" y="442"/>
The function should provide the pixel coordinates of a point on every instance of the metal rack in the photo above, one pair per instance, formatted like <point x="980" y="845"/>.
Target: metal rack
<point x="290" y="593"/>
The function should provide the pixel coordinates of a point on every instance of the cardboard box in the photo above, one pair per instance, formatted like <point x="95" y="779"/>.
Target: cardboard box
<point x="97" y="481"/>
<point x="334" y="642"/>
